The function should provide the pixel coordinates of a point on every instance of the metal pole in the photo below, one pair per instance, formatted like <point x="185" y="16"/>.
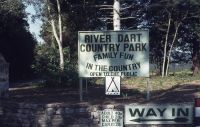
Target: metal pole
<point x="81" y="88"/>
<point x="86" y="86"/>
<point x="148" y="89"/>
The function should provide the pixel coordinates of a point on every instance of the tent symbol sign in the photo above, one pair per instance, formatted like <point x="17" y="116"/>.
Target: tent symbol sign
<point x="112" y="85"/>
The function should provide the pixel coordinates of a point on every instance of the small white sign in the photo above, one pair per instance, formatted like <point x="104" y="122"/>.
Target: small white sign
<point x="111" y="118"/>
<point x="159" y="114"/>
<point x="112" y="85"/>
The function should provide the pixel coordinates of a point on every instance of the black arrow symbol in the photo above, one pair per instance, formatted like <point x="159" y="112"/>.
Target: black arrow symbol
<point x="177" y="120"/>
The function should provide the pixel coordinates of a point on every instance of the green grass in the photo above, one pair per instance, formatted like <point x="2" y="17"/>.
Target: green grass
<point x="140" y="83"/>
<point x="159" y="83"/>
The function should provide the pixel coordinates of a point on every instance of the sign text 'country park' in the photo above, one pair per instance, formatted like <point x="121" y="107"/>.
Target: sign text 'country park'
<point x="113" y="53"/>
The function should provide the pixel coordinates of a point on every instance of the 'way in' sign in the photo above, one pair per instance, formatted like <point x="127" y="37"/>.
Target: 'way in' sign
<point x="158" y="114"/>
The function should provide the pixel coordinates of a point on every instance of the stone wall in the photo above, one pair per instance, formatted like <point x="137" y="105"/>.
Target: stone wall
<point x="50" y="115"/>
<point x="56" y="115"/>
<point x="4" y="86"/>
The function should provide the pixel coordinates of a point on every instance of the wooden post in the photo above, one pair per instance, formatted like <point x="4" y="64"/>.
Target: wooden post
<point x="148" y="89"/>
<point x="81" y="88"/>
<point x="86" y="86"/>
<point x="174" y="68"/>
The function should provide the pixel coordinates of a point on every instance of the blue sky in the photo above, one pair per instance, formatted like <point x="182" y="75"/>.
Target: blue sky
<point x="36" y="26"/>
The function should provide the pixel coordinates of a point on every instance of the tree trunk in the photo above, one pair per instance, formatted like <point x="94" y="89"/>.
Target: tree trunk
<point x="165" y="47"/>
<point x="196" y="58"/>
<point x="170" y="50"/>
<point x="59" y="37"/>
<point x="116" y="15"/>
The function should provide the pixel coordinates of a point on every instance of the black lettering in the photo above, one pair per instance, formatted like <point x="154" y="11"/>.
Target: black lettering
<point x="139" y="35"/>
<point x="111" y="47"/>
<point x="133" y="37"/>
<point x="88" y="48"/>
<point x="144" y="47"/>
<point x="120" y="37"/>
<point x="82" y="48"/>
<point x="87" y="38"/>
<point x="135" y="66"/>
<point x="173" y="112"/>
<point x="100" y="48"/>
<point x="161" y="111"/>
<point x="151" y="112"/>
<point x="102" y="38"/>
<point x="126" y="45"/>
<point x="126" y="39"/>
<point x="96" y="38"/>
<point x="108" y="38"/>
<point x="136" y="111"/>
<point x="137" y="47"/>
<point x="181" y="111"/>
<point x="131" y="47"/>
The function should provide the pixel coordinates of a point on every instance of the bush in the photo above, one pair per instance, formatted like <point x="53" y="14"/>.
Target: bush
<point x="46" y="67"/>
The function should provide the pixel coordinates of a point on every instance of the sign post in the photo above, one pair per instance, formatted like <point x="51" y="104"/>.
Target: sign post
<point x="148" y="89"/>
<point x="81" y="88"/>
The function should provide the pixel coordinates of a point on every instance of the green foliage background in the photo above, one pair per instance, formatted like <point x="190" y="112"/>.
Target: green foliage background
<point x="46" y="66"/>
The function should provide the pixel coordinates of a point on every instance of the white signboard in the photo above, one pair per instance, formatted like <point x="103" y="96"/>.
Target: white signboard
<point x="113" y="53"/>
<point x="159" y="114"/>
<point x="111" y="118"/>
<point x="112" y="85"/>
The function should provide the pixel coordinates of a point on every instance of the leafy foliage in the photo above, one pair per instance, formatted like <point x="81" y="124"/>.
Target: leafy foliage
<point x="16" y="42"/>
<point x="85" y="15"/>
<point x="46" y="66"/>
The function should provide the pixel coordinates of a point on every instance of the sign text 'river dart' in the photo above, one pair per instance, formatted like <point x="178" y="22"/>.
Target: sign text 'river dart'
<point x="113" y="53"/>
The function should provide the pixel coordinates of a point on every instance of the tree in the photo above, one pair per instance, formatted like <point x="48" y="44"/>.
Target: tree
<point x="16" y="42"/>
<point x="58" y="35"/>
<point x="169" y="19"/>
<point x="195" y="30"/>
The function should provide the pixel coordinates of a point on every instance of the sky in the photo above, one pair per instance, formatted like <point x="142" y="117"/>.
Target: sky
<point x="34" y="27"/>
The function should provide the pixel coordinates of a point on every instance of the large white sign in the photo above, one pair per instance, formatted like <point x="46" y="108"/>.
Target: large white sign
<point x="111" y="118"/>
<point x="159" y="114"/>
<point x="113" y="53"/>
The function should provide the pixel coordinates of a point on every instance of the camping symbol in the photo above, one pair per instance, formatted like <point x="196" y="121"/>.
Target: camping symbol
<point x="112" y="85"/>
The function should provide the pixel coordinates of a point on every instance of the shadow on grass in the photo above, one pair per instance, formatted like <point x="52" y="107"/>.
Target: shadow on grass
<point x="96" y="95"/>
